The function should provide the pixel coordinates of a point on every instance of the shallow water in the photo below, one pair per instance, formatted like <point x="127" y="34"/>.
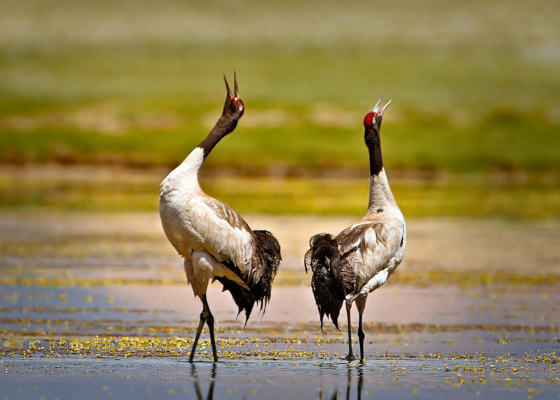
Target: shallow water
<point x="110" y="314"/>
<point x="172" y="378"/>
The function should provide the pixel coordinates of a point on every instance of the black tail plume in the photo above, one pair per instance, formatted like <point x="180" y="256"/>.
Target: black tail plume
<point x="322" y="258"/>
<point x="242" y="297"/>
<point x="270" y="260"/>
<point x="263" y="271"/>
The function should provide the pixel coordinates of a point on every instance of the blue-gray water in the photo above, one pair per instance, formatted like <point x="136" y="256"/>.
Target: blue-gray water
<point x="112" y="316"/>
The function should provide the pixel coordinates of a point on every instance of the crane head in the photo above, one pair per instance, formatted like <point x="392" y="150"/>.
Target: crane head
<point x="373" y="119"/>
<point x="234" y="106"/>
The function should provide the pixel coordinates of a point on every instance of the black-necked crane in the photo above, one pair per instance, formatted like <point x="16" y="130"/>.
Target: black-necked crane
<point x="349" y="266"/>
<point x="214" y="240"/>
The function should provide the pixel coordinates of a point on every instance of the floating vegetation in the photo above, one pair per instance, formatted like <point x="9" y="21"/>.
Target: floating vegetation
<point x="140" y="347"/>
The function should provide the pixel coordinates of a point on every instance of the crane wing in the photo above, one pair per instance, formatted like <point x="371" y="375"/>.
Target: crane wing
<point x="223" y="232"/>
<point x="370" y="247"/>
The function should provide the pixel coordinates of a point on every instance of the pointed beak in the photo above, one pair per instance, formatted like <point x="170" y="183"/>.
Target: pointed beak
<point x="374" y="108"/>
<point x="235" y="88"/>
<point x="380" y="113"/>
<point x="377" y="111"/>
<point x="227" y="87"/>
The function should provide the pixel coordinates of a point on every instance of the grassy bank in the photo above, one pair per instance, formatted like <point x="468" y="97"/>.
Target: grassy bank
<point x="501" y="195"/>
<point x="300" y="149"/>
<point x="130" y="88"/>
<point x="475" y="86"/>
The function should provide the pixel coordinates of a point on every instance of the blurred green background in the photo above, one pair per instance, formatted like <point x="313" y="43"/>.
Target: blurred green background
<point x="100" y="99"/>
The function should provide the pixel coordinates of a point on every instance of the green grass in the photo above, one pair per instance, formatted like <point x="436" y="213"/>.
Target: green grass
<point x="108" y="190"/>
<point x="475" y="89"/>
<point x="475" y="86"/>
<point x="261" y="151"/>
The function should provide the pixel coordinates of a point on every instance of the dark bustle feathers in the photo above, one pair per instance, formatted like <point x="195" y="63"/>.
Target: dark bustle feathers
<point x="322" y="258"/>
<point x="263" y="271"/>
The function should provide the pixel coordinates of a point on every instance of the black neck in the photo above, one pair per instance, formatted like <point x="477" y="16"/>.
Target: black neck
<point x="224" y="126"/>
<point x="373" y="142"/>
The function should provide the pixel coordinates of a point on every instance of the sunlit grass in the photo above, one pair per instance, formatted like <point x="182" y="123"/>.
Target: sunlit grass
<point x="480" y="196"/>
<point x="296" y="149"/>
<point x="475" y="90"/>
<point x="474" y="86"/>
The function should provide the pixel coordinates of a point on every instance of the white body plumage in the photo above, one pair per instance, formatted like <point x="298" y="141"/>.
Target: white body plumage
<point x="376" y="244"/>
<point x="195" y="225"/>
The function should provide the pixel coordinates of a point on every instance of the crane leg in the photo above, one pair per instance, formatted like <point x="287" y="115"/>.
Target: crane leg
<point x="205" y="317"/>
<point x="361" y="336"/>
<point x="210" y="322"/>
<point x="350" y="356"/>
<point x="197" y="336"/>
<point x="361" y="305"/>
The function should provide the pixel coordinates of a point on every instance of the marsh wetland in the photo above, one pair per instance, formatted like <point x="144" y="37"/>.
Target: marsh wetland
<point x="96" y="305"/>
<point x="100" y="100"/>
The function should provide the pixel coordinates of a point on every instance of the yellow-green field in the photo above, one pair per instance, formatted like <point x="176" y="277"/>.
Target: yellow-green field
<point x="517" y="196"/>
<point x="475" y="85"/>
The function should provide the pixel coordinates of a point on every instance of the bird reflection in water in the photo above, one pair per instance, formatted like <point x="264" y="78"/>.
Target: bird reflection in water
<point x="194" y="376"/>
<point x="360" y="376"/>
<point x="352" y="374"/>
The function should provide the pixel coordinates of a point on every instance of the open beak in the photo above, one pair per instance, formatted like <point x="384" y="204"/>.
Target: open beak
<point x="377" y="111"/>
<point x="235" y="94"/>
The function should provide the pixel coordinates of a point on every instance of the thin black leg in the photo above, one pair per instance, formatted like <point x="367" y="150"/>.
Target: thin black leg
<point x="205" y="317"/>
<point x="198" y="331"/>
<point x="210" y="322"/>
<point x="361" y="336"/>
<point x="350" y="356"/>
